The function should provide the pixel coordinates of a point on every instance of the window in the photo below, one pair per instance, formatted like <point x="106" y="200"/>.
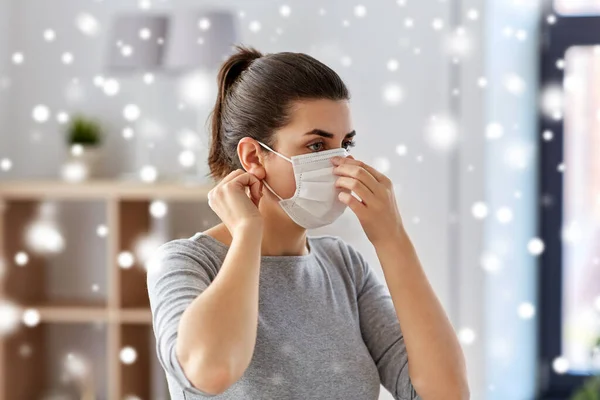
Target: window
<point x="569" y="144"/>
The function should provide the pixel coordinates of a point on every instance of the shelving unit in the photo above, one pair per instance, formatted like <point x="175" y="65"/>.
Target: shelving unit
<point x="118" y="317"/>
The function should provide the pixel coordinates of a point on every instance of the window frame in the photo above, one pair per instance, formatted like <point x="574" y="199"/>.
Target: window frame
<point x="555" y="40"/>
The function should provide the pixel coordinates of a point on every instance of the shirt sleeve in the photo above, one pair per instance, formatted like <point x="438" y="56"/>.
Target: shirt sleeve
<point x="177" y="273"/>
<point x="381" y="331"/>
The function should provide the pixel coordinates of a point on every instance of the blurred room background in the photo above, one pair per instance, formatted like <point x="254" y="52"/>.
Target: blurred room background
<point x="484" y="113"/>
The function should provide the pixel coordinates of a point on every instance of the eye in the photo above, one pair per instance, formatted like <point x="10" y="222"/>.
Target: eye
<point x="347" y="145"/>
<point x="315" y="144"/>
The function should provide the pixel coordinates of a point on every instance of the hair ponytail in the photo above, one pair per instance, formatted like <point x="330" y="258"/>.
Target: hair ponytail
<point x="232" y="68"/>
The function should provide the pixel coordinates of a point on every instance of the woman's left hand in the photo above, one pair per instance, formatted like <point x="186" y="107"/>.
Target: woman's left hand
<point x="377" y="212"/>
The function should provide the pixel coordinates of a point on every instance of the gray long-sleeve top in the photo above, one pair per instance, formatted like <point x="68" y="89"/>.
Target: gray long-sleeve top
<point x="327" y="328"/>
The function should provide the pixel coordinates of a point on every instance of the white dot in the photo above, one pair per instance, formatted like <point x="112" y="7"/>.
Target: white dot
<point x="31" y="317"/>
<point x="441" y="133"/>
<point x="204" y="24"/>
<point x="126" y="50"/>
<point x="131" y="112"/>
<point x="392" y="94"/>
<point x="62" y="117"/>
<point x="494" y="131"/>
<point x="526" y="310"/>
<point x="49" y="35"/>
<point x="360" y="11"/>
<point x="41" y="113"/>
<point x="148" y="173"/>
<point x="77" y="149"/>
<point x="145" y="33"/>
<point x="482" y="82"/>
<point x="479" y="210"/>
<point x="21" y="258"/>
<point x="437" y="24"/>
<point x="346" y="61"/>
<point x="514" y="84"/>
<point x="187" y="158"/>
<point x="148" y="78"/>
<point x="18" y="58"/>
<point x="158" y="209"/>
<point x="548" y="135"/>
<point x="466" y="336"/>
<point x="102" y="230"/>
<point x="504" y="215"/>
<point x="98" y="80"/>
<point x="144" y="4"/>
<point x="401" y="150"/>
<point x="125" y="259"/>
<point x="10" y="315"/>
<point x="409" y="22"/>
<point x="561" y="167"/>
<point x="285" y="10"/>
<point x="521" y="35"/>
<point x="254" y="26"/>
<point x="127" y="133"/>
<point x="560" y="365"/>
<point x="535" y="246"/>
<point x="128" y="355"/>
<point x="95" y="287"/>
<point x="473" y="14"/>
<point x="87" y="24"/>
<point x="551" y="19"/>
<point x="67" y="58"/>
<point x="490" y="263"/>
<point x="5" y="164"/>
<point x="111" y="87"/>
<point x="392" y="65"/>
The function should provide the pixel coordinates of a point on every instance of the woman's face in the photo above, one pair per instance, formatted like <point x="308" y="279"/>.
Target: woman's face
<point x="316" y="125"/>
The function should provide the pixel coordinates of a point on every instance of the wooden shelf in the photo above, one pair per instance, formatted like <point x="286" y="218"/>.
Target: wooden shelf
<point x="100" y="189"/>
<point x="116" y="317"/>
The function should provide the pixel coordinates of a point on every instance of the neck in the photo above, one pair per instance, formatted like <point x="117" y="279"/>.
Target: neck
<point x="281" y="235"/>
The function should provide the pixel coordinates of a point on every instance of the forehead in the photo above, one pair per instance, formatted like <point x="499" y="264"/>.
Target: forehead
<point x="329" y="115"/>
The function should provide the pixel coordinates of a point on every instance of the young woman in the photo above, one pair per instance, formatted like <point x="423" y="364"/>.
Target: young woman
<point x="253" y="308"/>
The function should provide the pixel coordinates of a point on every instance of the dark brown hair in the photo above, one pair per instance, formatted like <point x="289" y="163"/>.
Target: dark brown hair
<point x="256" y="96"/>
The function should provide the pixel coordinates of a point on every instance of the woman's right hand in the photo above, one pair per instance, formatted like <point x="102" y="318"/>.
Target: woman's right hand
<point x="231" y="203"/>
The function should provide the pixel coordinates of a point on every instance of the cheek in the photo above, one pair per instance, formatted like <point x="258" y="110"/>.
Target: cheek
<point x="281" y="179"/>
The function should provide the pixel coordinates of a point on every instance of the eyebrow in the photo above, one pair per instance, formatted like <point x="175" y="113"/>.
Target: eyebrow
<point x="329" y="135"/>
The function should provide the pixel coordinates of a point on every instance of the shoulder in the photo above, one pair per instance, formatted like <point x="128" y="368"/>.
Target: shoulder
<point x="183" y="254"/>
<point x="341" y="253"/>
<point x="336" y="244"/>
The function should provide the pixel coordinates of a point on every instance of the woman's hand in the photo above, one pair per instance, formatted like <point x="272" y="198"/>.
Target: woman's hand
<point x="231" y="202"/>
<point x="378" y="213"/>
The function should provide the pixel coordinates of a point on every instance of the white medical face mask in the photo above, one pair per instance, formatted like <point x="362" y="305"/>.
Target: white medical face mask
<point x="315" y="202"/>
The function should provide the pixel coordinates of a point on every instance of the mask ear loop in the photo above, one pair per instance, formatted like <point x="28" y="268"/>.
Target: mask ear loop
<point x="279" y="154"/>
<point x="264" y="181"/>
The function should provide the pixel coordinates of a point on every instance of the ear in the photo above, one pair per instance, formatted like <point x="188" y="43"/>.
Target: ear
<point x="251" y="158"/>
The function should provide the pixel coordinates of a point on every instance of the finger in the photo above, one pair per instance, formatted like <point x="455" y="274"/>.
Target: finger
<point x="379" y="177"/>
<point x="358" y="173"/>
<point x="233" y="175"/>
<point x="249" y="180"/>
<point x="357" y="187"/>
<point x="353" y="203"/>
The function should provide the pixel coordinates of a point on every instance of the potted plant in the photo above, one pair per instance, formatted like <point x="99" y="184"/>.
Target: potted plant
<point x="84" y="137"/>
